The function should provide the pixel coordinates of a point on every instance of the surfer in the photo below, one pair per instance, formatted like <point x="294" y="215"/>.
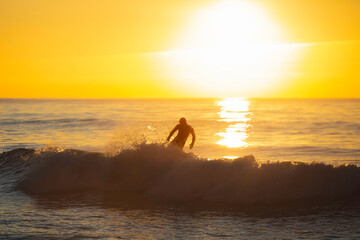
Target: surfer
<point x="184" y="130"/>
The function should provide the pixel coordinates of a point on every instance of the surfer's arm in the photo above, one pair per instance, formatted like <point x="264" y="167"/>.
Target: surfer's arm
<point x="193" y="138"/>
<point x="172" y="132"/>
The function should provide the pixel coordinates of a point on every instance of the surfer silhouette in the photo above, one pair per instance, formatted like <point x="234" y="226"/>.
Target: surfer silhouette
<point x="184" y="130"/>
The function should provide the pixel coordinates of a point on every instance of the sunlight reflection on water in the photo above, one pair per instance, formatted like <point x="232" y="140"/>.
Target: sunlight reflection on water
<point x="235" y="111"/>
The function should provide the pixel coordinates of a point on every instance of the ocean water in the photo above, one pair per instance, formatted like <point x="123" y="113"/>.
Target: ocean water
<point x="277" y="130"/>
<point x="260" y="168"/>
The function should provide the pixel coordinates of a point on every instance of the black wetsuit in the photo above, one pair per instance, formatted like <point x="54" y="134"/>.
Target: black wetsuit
<point x="183" y="133"/>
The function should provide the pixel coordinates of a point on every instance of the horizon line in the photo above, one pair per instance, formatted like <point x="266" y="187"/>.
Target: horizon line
<point x="166" y="98"/>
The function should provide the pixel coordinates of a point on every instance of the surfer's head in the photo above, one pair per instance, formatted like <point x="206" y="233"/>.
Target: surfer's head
<point x="182" y="121"/>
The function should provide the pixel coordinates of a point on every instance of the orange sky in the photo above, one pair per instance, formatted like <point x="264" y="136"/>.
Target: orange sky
<point x="185" y="48"/>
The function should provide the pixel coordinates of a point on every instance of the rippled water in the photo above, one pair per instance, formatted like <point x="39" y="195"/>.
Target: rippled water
<point x="297" y="130"/>
<point x="84" y="217"/>
<point x="153" y="192"/>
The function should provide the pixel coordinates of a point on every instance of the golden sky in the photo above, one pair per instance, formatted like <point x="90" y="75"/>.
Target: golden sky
<point x="179" y="48"/>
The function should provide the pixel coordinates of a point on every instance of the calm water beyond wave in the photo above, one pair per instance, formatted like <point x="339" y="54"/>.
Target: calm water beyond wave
<point x="260" y="169"/>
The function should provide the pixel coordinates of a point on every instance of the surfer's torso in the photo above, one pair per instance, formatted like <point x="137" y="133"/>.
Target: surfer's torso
<point x="184" y="131"/>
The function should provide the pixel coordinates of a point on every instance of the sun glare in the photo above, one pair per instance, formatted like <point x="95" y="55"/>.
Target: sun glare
<point x="232" y="48"/>
<point x="236" y="112"/>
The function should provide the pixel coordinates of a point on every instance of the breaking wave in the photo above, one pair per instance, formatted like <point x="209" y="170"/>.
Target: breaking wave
<point x="161" y="173"/>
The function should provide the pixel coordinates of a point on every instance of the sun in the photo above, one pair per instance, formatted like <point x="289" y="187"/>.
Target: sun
<point x="228" y="24"/>
<point x="231" y="48"/>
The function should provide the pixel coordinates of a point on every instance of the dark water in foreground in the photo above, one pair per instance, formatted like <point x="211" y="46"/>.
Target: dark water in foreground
<point x="133" y="186"/>
<point x="152" y="191"/>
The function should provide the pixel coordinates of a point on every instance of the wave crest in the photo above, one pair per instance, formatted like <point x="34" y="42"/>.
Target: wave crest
<point x="157" y="172"/>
